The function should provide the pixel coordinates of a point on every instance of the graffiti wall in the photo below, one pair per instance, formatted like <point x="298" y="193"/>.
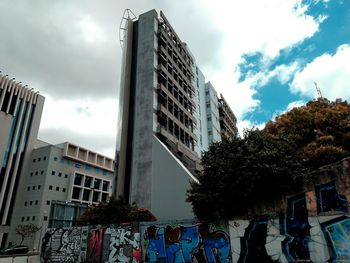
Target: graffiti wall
<point x="186" y="243"/>
<point x="315" y="227"/>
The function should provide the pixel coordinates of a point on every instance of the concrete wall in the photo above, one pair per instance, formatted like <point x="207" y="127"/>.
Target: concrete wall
<point x="29" y="258"/>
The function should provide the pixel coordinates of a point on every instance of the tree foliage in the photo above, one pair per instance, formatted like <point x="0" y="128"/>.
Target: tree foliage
<point x="115" y="211"/>
<point x="27" y="230"/>
<point x="265" y="165"/>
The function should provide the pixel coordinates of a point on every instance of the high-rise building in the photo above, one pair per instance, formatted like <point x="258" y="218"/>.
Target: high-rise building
<point x="228" y="119"/>
<point x="60" y="173"/>
<point x="162" y="105"/>
<point x="20" y="114"/>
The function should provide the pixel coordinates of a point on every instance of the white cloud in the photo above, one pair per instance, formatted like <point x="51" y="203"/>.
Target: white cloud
<point x="330" y="72"/>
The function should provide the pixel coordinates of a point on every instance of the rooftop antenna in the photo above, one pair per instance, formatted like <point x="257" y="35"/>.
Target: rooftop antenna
<point x="128" y="14"/>
<point x="319" y="93"/>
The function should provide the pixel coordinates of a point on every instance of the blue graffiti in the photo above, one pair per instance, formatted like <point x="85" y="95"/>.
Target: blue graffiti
<point x="189" y="241"/>
<point x="156" y="249"/>
<point x="328" y="198"/>
<point x="337" y="233"/>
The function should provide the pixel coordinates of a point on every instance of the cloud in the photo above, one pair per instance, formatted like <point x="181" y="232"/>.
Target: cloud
<point x="330" y="72"/>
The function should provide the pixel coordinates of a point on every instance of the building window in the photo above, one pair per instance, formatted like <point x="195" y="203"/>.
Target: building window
<point x="50" y="187"/>
<point x="63" y="189"/>
<point x="76" y="193"/>
<point x="104" y="172"/>
<point x="33" y="188"/>
<point x="87" y="167"/>
<point x="39" y="159"/>
<point x="97" y="183"/>
<point x="33" y="218"/>
<point x="86" y="195"/>
<point x="45" y="218"/>
<point x="105" y="185"/>
<point x="78" y="179"/>
<point x="104" y="197"/>
<point x="36" y="173"/>
<point x="42" y="172"/>
<point x="57" y="188"/>
<point x="28" y="218"/>
<point x="88" y="181"/>
<point x="48" y="202"/>
<point x="31" y="174"/>
<point x="31" y="202"/>
<point x="66" y="176"/>
<point x="44" y="158"/>
<point x="95" y="196"/>
<point x="55" y="159"/>
<point x="28" y="188"/>
<point x="59" y="174"/>
<point x="36" y="202"/>
<point x="22" y="219"/>
<point x="78" y="165"/>
<point x="25" y="203"/>
<point x="39" y="186"/>
<point x="34" y="160"/>
<point x="53" y="172"/>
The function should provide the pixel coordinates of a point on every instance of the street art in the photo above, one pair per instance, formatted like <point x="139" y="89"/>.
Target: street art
<point x="337" y="232"/>
<point x="123" y="244"/>
<point x="295" y="226"/>
<point x="193" y="243"/>
<point x="63" y="245"/>
<point x="328" y="199"/>
<point x="94" y="253"/>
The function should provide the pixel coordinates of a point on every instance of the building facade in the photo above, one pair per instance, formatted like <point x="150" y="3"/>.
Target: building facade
<point x="20" y="114"/>
<point x="60" y="173"/>
<point x="228" y="119"/>
<point x="165" y="121"/>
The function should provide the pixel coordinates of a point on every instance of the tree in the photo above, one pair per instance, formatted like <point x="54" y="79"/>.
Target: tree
<point x="243" y="173"/>
<point x="115" y="211"/>
<point x="27" y="230"/>
<point x="320" y="131"/>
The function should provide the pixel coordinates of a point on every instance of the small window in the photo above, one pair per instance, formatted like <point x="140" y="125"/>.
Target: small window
<point x="50" y="187"/>
<point x="33" y="218"/>
<point x="53" y="172"/>
<point x="76" y="193"/>
<point x="42" y="172"/>
<point x="48" y="202"/>
<point x="78" y="165"/>
<point x="33" y="188"/>
<point x="63" y="189"/>
<point x="59" y="174"/>
<point x="36" y="173"/>
<point x="87" y="167"/>
<point x="31" y="174"/>
<point x="45" y="218"/>
<point x="34" y="160"/>
<point x="55" y="159"/>
<point x="36" y="202"/>
<point x="39" y="159"/>
<point x="28" y="188"/>
<point x="28" y="218"/>
<point x="66" y="176"/>
<point x="39" y="186"/>
<point x="31" y="202"/>
<point x="57" y="188"/>
<point x="25" y="203"/>
<point x="22" y="219"/>
<point x="44" y="158"/>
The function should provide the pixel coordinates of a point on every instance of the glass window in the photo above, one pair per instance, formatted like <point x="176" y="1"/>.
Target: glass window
<point x="59" y="174"/>
<point x="22" y="219"/>
<point x="57" y="188"/>
<point x="31" y="174"/>
<point x="39" y="186"/>
<point x="33" y="187"/>
<point x="33" y="218"/>
<point x="25" y="203"/>
<point x="47" y="202"/>
<point x="44" y="158"/>
<point x="78" y="165"/>
<point x="36" y="202"/>
<point x="50" y="187"/>
<point x="63" y="189"/>
<point x="66" y="176"/>
<point x="76" y="193"/>
<point x="42" y="172"/>
<point x="88" y="181"/>
<point x="105" y="186"/>
<point x="104" y="197"/>
<point x="97" y="183"/>
<point x="53" y="172"/>
<point x="39" y="159"/>
<point x="78" y="179"/>
<point x="86" y="195"/>
<point x="28" y="218"/>
<point x="28" y="188"/>
<point x="95" y="196"/>
<point x="36" y="173"/>
<point x="45" y="218"/>
<point x="31" y="202"/>
<point x="87" y="167"/>
<point x="34" y="160"/>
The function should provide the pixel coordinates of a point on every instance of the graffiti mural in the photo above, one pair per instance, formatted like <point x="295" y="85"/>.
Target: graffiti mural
<point x="123" y="244"/>
<point x="328" y="198"/>
<point x="337" y="232"/>
<point x="193" y="243"/>
<point x="63" y="245"/>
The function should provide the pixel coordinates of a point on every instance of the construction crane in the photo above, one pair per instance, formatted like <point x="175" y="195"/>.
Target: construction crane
<point x="319" y="93"/>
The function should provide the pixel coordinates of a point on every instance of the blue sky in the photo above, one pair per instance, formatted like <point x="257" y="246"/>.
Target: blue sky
<point x="275" y="95"/>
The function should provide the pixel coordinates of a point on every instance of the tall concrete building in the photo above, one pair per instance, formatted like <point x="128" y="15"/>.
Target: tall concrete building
<point x="60" y="173"/>
<point x="161" y="131"/>
<point x="20" y="114"/>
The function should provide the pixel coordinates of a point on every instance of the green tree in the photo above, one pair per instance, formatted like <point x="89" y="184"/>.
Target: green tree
<point x="243" y="173"/>
<point x="115" y="211"/>
<point x="27" y="230"/>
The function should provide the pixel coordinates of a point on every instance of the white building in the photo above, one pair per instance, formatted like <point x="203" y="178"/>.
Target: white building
<point x="63" y="172"/>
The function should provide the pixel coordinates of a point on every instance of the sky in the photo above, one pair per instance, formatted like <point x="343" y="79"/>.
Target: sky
<point x="263" y="56"/>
